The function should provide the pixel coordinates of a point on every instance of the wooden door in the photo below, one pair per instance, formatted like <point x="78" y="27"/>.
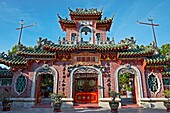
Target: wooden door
<point x="38" y="92"/>
<point x="86" y="90"/>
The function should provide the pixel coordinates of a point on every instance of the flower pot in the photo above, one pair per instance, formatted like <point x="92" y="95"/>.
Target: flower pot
<point x="6" y="105"/>
<point x="167" y="105"/>
<point x="57" y="106"/>
<point x="129" y="94"/>
<point x="114" y="106"/>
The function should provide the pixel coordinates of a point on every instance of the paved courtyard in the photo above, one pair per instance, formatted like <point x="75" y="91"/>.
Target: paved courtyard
<point x="92" y="110"/>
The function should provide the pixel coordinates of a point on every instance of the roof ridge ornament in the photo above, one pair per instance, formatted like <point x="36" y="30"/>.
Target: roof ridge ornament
<point x="101" y="9"/>
<point x="112" y="16"/>
<point x="70" y="9"/>
<point x="59" y="16"/>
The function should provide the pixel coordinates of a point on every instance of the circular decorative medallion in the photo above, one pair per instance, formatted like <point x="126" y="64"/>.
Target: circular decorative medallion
<point x="92" y="83"/>
<point x="80" y="82"/>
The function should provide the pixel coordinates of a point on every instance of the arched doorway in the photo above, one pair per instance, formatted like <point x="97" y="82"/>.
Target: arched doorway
<point x="84" y="84"/>
<point x="44" y="87"/>
<point x="128" y="84"/>
<point x="44" y="83"/>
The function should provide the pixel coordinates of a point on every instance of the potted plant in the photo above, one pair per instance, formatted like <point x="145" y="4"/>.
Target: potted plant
<point x="166" y="93"/>
<point x="57" y="102"/>
<point x="6" y="100"/>
<point x="114" y="104"/>
<point x="129" y="92"/>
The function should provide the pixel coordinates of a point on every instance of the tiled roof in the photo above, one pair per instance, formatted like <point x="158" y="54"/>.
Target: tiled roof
<point x="87" y="46"/>
<point x="36" y="51"/>
<point x="166" y="73"/>
<point x="5" y="73"/>
<point x="66" y="21"/>
<point x="106" y="23"/>
<point x="12" y="60"/>
<point x="132" y="53"/>
<point x="158" y="60"/>
<point x="80" y="11"/>
<point x="105" y="20"/>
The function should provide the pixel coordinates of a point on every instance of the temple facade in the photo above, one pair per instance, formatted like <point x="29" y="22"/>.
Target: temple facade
<point x="85" y="66"/>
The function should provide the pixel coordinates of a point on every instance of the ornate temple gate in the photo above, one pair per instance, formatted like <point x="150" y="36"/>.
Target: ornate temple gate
<point x="85" y="85"/>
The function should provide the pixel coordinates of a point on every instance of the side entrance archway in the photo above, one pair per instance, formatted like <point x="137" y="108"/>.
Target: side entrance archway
<point x="129" y="84"/>
<point x="44" y="83"/>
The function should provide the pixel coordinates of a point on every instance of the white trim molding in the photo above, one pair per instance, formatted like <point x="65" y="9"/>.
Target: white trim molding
<point x="159" y="83"/>
<point x="80" y="33"/>
<point x="153" y="99"/>
<point x="139" y="79"/>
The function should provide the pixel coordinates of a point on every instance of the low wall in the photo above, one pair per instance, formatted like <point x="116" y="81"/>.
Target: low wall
<point x="23" y="102"/>
<point x="153" y="102"/>
<point x="104" y="102"/>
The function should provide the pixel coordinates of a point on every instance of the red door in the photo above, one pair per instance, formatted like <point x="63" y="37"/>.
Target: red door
<point x="38" y="92"/>
<point x="86" y="90"/>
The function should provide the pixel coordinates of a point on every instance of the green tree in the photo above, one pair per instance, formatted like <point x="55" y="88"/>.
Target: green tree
<point x="124" y="80"/>
<point x="165" y="49"/>
<point x="15" y="49"/>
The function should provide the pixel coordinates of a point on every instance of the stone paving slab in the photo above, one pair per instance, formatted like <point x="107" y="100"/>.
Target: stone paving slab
<point x="92" y="110"/>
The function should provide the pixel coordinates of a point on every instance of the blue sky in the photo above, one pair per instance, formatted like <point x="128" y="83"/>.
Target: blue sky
<point x="44" y="13"/>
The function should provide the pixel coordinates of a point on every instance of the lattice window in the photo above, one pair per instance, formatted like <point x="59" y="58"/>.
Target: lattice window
<point x="73" y="36"/>
<point x="20" y="84"/>
<point x="153" y="83"/>
<point x="98" y="36"/>
<point x="5" y="82"/>
<point x="166" y="81"/>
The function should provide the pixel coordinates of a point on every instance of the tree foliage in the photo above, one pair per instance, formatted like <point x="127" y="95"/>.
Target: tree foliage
<point x="124" y="80"/>
<point x="15" y="49"/>
<point x="165" y="49"/>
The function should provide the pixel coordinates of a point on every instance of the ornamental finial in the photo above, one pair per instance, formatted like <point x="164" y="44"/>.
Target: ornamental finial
<point x="101" y="9"/>
<point x="59" y="16"/>
<point x="70" y="9"/>
<point x="112" y="16"/>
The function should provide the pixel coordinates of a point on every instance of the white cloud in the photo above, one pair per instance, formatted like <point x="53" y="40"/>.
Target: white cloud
<point x="11" y="14"/>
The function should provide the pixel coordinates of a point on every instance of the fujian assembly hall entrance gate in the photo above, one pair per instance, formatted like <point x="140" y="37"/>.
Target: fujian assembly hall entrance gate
<point x="86" y="65"/>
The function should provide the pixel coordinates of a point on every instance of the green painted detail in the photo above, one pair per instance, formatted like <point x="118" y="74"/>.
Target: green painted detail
<point x="166" y="73"/>
<point x="87" y="46"/>
<point x="158" y="60"/>
<point x="5" y="73"/>
<point x="105" y="20"/>
<point x="37" y="50"/>
<point x="153" y="83"/>
<point x="5" y="81"/>
<point x="131" y="53"/>
<point x="67" y="21"/>
<point x="166" y="81"/>
<point x="20" y="84"/>
<point x="12" y="59"/>
<point x="80" y="11"/>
